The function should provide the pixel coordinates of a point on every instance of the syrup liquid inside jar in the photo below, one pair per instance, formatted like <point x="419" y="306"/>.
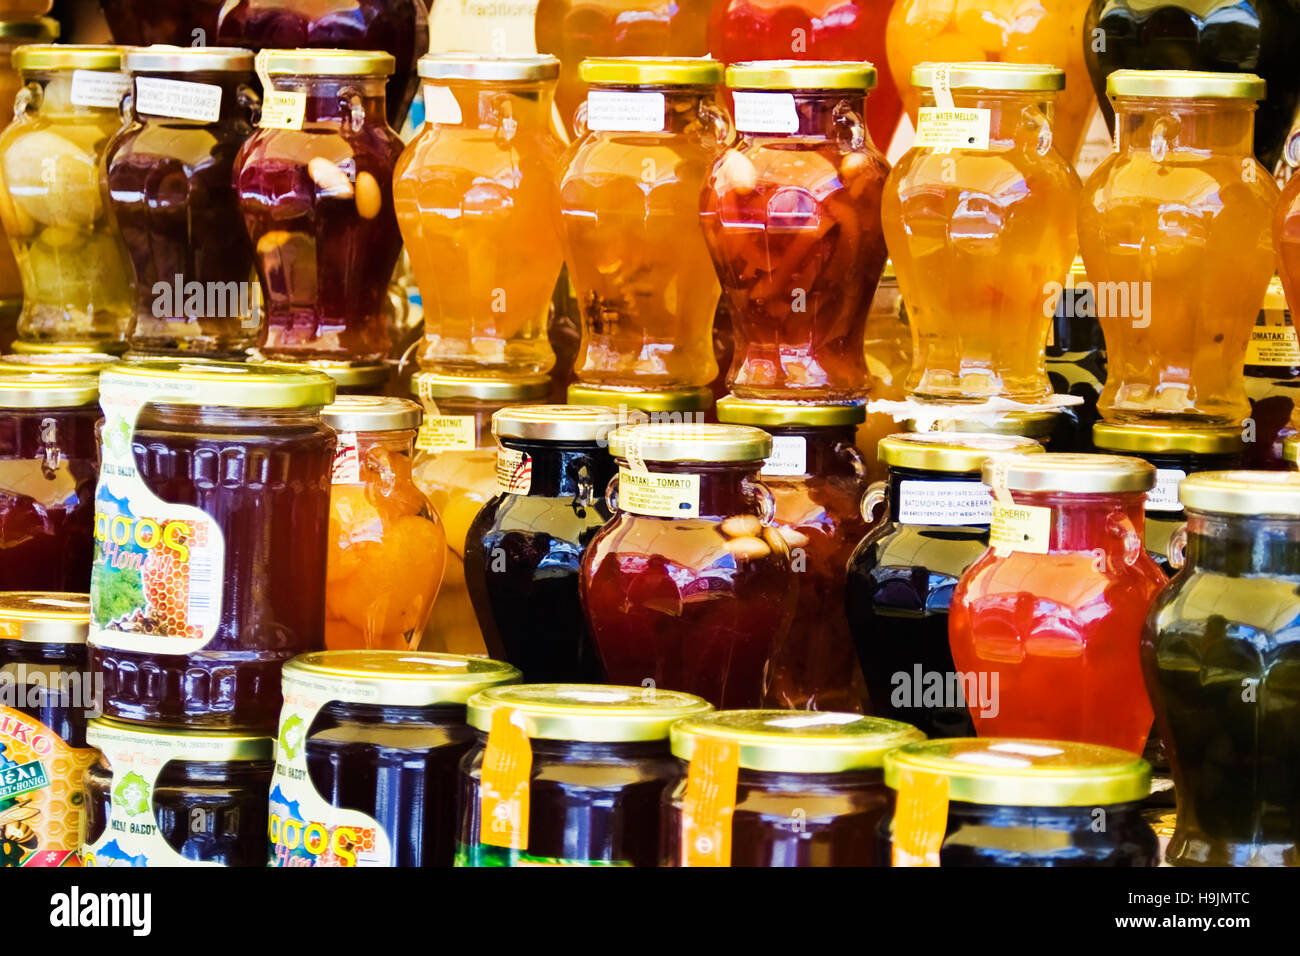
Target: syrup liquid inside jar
<point x="1050" y="617"/>
<point x="689" y="585"/>
<point x="1174" y="229"/>
<point x="888" y="348"/>
<point x="791" y="215"/>
<point x="802" y="789"/>
<point x="476" y="196"/>
<point x="997" y="223"/>
<point x="75" y="272"/>
<point x="177" y="22"/>
<point x="317" y="203"/>
<point x="211" y="518"/>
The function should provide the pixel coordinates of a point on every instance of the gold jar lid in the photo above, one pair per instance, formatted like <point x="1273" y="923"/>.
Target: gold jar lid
<point x="344" y="374"/>
<point x="1249" y="493"/>
<point x="398" y="678"/>
<point x="59" y="363"/>
<point x="328" y="62"/>
<point x="44" y="617"/>
<point x="435" y="385"/>
<point x="1185" y="85"/>
<point x="232" y="384"/>
<point x="19" y="389"/>
<point x="161" y="58"/>
<point x="1072" y="474"/>
<point x="790" y="741"/>
<point x="68" y="348"/>
<point x="674" y="400"/>
<point x="650" y="71"/>
<point x="772" y="414"/>
<point x="801" y="75"/>
<point x="692" y="442"/>
<point x="372" y="413"/>
<point x="1166" y="439"/>
<point x="198" y="746"/>
<point x="67" y="56"/>
<point x="998" y="77"/>
<point x="595" y="713"/>
<point x="488" y="69"/>
<point x="560" y="423"/>
<point x="948" y="452"/>
<point x="1001" y="771"/>
<point x="40" y="30"/>
<point x="1036" y="425"/>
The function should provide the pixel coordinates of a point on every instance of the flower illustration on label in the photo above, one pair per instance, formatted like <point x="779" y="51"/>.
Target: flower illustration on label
<point x="132" y="794"/>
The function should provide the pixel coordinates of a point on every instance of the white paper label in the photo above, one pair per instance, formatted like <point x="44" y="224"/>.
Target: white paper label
<point x="347" y="460"/>
<point x="283" y="110"/>
<point x="942" y="129"/>
<point x="99" y="88"/>
<point x="789" y="456"/>
<point x="191" y="101"/>
<point x="1164" y="496"/>
<point x="945" y="502"/>
<point x="766" y="113"/>
<point x="440" y="105"/>
<point x="625" y="111"/>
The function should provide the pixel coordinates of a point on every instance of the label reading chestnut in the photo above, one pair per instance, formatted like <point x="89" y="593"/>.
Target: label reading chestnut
<point x="625" y="111"/>
<point x="789" y="456"/>
<point x="945" y="503"/>
<point x="1026" y="528"/>
<point x="766" y="113"/>
<point x="658" y="495"/>
<point x="177" y="99"/>
<point x="99" y="88"/>
<point x="1164" y="496"/>
<point x="514" y="471"/>
<point x="447" y="433"/>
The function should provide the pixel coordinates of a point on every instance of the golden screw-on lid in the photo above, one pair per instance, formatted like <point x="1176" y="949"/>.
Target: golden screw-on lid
<point x="329" y="63"/>
<point x="40" y="30"/>
<point x="398" y="678"/>
<point x="1072" y="474"/>
<point x="372" y="413"/>
<point x="1242" y="492"/>
<point x="692" y="442"/>
<point x="559" y="423"/>
<point x="488" y="69"/>
<point x="67" y="56"/>
<point x="771" y="414"/>
<point x="161" y="58"/>
<point x="344" y="374"/>
<point x="58" y="363"/>
<point x="1185" y="84"/>
<point x="434" y="385"/>
<point x="69" y="348"/>
<point x="234" y="384"/>
<point x="650" y="71"/>
<point x="1036" y="425"/>
<point x="597" y="713"/>
<point x="1166" y="440"/>
<point x="44" y="617"/>
<point x="1000" y="77"/>
<point x="196" y="746"/>
<point x="19" y="389"/>
<point x="801" y="75"/>
<point x="948" y="452"/>
<point x="676" y="400"/>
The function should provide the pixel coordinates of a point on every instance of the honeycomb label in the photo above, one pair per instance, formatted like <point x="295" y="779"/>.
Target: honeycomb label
<point x="41" y="802"/>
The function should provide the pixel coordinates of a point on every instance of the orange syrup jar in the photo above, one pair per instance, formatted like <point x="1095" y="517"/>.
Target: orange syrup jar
<point x="1174" y="229"/>
<point x="630" y="219"/>
<point x="476" y="196"/>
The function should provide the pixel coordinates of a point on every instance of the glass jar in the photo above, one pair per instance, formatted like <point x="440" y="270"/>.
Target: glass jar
<point x="630" y="221"/>
<point x="1174" y="228"/>
<point x="1017" y="802"/>
<point x="818" y="478"/>
<point x="902" y="574"/>
<point x="48" y="468"/>
<point x="1076" y="360"/>
<point x="168" y="173"/>
<point x="211" y="523"/>
<point x="1041" y="426"/>
<point x="176" y="798"/>
<point x="888" y="348"/>
<point x="386" y="545"/>
<point x="1272" y="369"/>
<point x="689" y="585"/>
<point x="791" y="215"/>
<point x="46" y="694"/>
<point x="1218" y="653"/>
<point x="1052" y="613"/>
<point x="791" y="789"/>
<point x="637" y="407"/>
<point x="997" y="223"/>
<point x="350" y="378"/>
<point x="567" y="774"/>
<point x="75" y="272"/>
<point x="476" y="196"/>
<point x="317" y="203"/>
<point x="178" y="22"/>
<point x="523" y="553"/>
<point x="369" y="746"/>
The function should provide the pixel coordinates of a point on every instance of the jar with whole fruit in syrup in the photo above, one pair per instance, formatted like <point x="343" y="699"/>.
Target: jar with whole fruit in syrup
<point x="177" y="22"/>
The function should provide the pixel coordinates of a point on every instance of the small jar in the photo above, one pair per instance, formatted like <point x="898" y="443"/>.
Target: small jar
<point x="818" y="478"/>
<point x="1051" y="615"/>
<point x="369" y="746"/>
<point x="774" y="788"/>
<point x="476" y="196"/>
<point x="76" y="275"/>
<point x="178" y="22"/>
<point x="902" y="574"/>
<point x="1272" y="369"/>
<point x="1076" y="360"/>
<point x="567" y="774"/>
<point x="386" y="545"/>
<point x="523" y="553"/>
<point x="211" y="523"/>
<point x="317" y="201"/>
<point x="176" y="798"/>
<point x="689" y="585"/>
<point x="48" y="467"/>
<point x="791" y="215"/>
<point x="1000" y="801"/>
<point x="46" y="694"/>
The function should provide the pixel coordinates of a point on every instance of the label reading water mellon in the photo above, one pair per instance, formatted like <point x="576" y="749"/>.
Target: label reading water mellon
<point x="659" y="496"/>
<point x="952" y="128"/>
<point x="41" y="801"/>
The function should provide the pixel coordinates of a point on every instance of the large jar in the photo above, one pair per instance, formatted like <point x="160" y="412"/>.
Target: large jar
<point x="791" y="215"/>
<point x="1174" y="228"/>
<point x="818" y="479"/>
<point x="75" y="273"/>
<point x="689" y="585"/>
<point x="178" y="22"/>
<point x="316" y="196"/>
<point x="629" y="207"/>
<point x="1052" y="614"/>
<point x="476" y="197"/>
<point x="168" y="173"/>
<point x="211" y="519"/>
<point x="1219" y="656"/>
<point x="996" y="220"/>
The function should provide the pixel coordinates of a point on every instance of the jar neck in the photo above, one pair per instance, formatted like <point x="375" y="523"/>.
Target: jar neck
<point x="242" y="419"/>
<point x="1158" y="126"/>
<point x="338" y="100"/>
<point x="829" y="450"/>
<point x="400" y="442"/>
<point x="342" y="710"/>
<point x="578" y="470"/>
<point x="686" y="109"/>
<point x="1014" y="118"/>
<point x="726" y="489"/>
<point x="237" y="97"/>
<point x="899" y="475"/>
<point x="503" y="106"/>
<point x="1237" y="545"/>
<point x="55" y="98"/>
<point x="822" y="114"/>
<point x="1085" y="522"/>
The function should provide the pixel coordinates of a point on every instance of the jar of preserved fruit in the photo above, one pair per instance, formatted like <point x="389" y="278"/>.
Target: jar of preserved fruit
<point x="902" y="574"/>
<point x="211" y="524"/>
<point x="567" y="774"/>
<point x="1051" y="615"/>
<point x="1273" y="367"/>
<point x="476" y="196"/>
<point x="178" y="22"/>
<point x="995" y="218"/>
<point x="629" y="209"/>
<point x="176" y="798"/>
<point x="369" y="746"/>
<point x="315" y="192"/>
<point x="1042" y="426"/>
<point x="1001" y="801"/>
<point x="168" y="173"/>
<point x="775" y="788"/>
<point x="791" y="215"/>
<point x="75" y="274"/>
<point x="58" y="363"/>
<point x="48" y="467"/>
<point x="1218" y="653"/>
<point x="43" y="754"/>
<point x="386" y="545"/>
<point x="888" y="347"/>
<point x="689" y="584"/>
<point x="1174" y="230"/>
<point x="818" y="478"/>
<point x="637" y="407"/>
<point x="523" y="554"/>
